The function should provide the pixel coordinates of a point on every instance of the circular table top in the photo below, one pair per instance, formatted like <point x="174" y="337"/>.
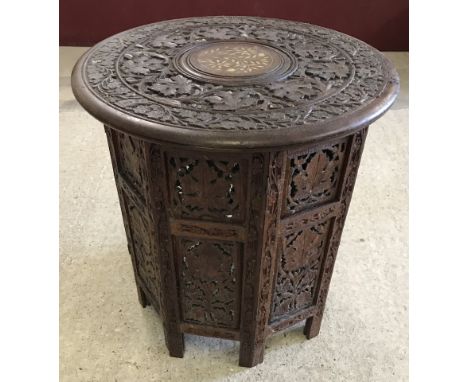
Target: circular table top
<point x="234" y="82"/>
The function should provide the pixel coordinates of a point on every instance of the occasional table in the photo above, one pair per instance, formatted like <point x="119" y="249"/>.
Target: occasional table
<point x="235" y="144"/>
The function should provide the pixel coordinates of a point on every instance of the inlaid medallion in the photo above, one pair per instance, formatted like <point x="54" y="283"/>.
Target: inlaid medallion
<point x="235" y="62"/>
<point x="235" y="59"/>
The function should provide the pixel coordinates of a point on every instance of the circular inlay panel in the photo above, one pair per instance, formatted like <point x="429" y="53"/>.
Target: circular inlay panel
<point x="235" y="62"/>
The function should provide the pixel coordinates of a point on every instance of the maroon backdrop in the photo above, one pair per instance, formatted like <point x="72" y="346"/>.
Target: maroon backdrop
<point x="381" y="23"/>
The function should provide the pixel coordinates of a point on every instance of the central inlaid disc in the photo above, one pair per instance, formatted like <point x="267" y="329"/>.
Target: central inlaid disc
<point x="235" y="59"/>
<point x="235" y="62"/>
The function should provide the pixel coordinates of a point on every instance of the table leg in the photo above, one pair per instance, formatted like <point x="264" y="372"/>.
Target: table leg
<point x="312" y="326"/>
<point x="251" y="352"/>
<point x="175" y="342"/>
<point x="144" y="302"/>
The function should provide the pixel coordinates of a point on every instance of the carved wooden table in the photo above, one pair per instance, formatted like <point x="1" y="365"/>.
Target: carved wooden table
<point x="235" y="144"/>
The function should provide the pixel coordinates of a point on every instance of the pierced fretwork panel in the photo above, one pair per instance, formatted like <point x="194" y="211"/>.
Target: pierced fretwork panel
<point x="131" y="162"/>
<point x="313" y="178"/>
<point x="206" y="189"/>
<point x="147" y="261"/>
<point x="209" y="279"/>
<point x="300" y="260"/>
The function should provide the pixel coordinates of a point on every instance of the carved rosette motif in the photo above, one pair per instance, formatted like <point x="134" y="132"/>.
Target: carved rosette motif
<point x="335" y="75"/>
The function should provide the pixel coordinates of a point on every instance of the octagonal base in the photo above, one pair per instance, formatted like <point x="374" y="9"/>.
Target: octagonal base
<point x="234" y="245"/>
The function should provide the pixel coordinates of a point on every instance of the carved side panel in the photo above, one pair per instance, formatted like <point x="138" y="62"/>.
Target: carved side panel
<point x="356" y="148"/>
<point x="213" y="260"/>
<point x="313" y="177"/>
<point x="131" y="176"/>
<point x="206" y="188"/>
<point x="301" y="257"/>
<point x="311" y="198"/>
<point x="147" y="258"/>
<point x="132" y="165"/>
<point x="209" y="281"/>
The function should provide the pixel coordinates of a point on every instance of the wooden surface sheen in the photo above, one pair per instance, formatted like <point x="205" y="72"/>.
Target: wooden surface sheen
<point x="234" y="194"/>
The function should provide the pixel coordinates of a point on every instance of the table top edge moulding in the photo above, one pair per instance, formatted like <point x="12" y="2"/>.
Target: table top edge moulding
<point x="317" y="83"/>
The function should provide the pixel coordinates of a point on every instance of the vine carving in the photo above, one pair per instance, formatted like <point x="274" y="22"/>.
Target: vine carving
<point x="209" y="282"/>
<point x="147" y="257"/>
<point x="336" y="74"/>
<point x="347" y="191"/>
<point x="206" y="189"/>
<point x="131" y="161"/>
<point x="299" y="266"/>
<point x="314" y="177"/>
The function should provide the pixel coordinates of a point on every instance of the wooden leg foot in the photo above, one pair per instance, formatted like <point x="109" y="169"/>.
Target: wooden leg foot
<point x="175" y="343"/>
<point x="312" y="326"/>
<point x="251" y="353"/>
<point x="144" y="302"/>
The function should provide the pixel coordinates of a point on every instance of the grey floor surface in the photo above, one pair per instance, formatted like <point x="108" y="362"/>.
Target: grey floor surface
<point x="106" y="336"/>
